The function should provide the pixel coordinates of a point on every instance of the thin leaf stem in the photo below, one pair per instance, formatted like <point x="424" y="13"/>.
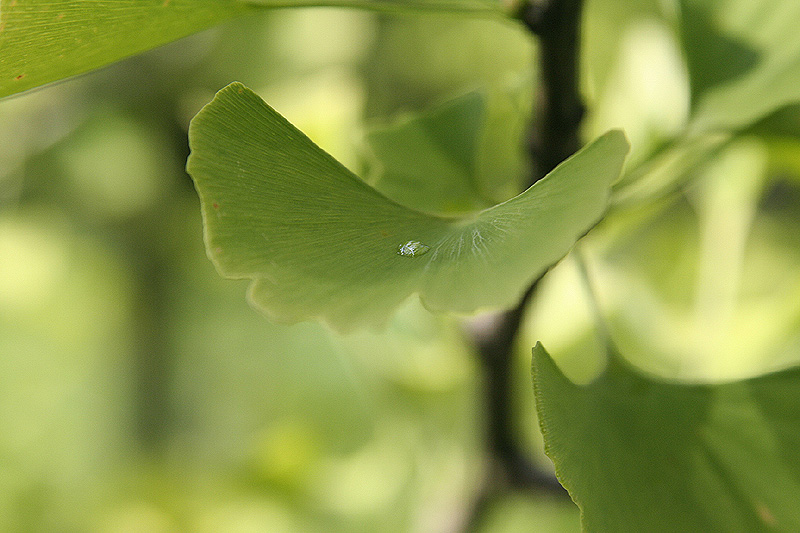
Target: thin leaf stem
<point x="603" y="329"/>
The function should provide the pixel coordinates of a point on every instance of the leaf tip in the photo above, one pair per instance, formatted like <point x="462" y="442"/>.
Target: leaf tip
<point x="540" y="360"/>
<point x="618" y="137"/>
<point x="546" y="373"/>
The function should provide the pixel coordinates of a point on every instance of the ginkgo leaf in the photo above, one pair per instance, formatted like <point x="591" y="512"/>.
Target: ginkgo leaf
<point x="46" y="40"/>
<point x="319" y="242"/>
<point x="640" y="454"/>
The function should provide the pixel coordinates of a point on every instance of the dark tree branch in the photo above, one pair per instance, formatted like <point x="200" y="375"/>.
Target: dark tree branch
<point x="554" y="137"/>
<point x="496" y="349"/>
<point x="559" y="108"/>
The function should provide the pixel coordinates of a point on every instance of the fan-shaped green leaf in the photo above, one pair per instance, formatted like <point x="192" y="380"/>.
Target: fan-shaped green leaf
<point x="319" y="242"/>
<point x="638" y="454"/>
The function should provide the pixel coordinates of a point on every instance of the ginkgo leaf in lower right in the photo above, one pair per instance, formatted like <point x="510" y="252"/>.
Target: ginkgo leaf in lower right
<point x="639" y="454"/>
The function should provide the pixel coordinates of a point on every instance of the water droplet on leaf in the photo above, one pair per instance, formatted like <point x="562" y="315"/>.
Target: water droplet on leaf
<point x="413" y="249"/>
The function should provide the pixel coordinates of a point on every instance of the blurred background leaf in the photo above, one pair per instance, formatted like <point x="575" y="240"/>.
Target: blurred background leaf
<point x="441" y="143"/>
<point x="743" y="59"/>
<point x="471" y="144"/>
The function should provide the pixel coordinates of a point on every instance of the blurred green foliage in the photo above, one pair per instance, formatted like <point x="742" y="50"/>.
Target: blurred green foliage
<point x="138" y="392"/>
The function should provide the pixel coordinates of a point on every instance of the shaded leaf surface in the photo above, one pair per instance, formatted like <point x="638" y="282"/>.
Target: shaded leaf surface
<point x="638" y="454"/>
<point x="428" y="162"/>
<point x="319" y="242"/>
<point x="462" y="155"/>
<point x="743" y="58"/>
<point x="46" y="40"/>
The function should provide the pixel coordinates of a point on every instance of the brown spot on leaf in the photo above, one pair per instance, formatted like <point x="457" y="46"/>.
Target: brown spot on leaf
<point x="19" y="77"/>
<point x="215" y="205"/>
<point x="766" y="515"/>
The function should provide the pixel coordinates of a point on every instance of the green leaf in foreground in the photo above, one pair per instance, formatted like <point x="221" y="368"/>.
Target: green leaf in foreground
<point x="44" y="41"/>
<point x="638" y="454"/>
<point x="319" y="242"/>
